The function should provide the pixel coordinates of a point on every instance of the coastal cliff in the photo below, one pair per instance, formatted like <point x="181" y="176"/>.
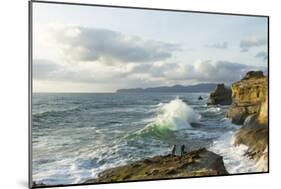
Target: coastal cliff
<point x="249" y="96"/>
<point x="196" y="163"/>
<point x="250" y="108"/>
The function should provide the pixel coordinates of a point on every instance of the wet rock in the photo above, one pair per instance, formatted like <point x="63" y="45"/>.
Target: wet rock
<point x="250" y="108"/>
<point x="255" y="136"/>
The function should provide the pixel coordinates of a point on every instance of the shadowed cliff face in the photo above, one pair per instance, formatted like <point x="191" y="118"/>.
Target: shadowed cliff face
<point x="254" y="136"/>
<point x="250" y="108"/>
<point x="221" y="95"/>
<point x="196" y="163"/>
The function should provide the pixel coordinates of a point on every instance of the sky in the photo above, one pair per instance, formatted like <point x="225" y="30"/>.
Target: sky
<point x="102" y="49"/>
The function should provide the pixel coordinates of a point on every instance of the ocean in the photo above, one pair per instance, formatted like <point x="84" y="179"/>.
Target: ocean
<point x="77" y="135"/>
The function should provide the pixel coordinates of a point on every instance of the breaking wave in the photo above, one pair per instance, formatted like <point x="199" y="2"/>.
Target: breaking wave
<point x="172" y="116"/>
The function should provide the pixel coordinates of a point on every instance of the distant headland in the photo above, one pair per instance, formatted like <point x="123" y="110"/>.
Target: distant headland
<point x="203" y="87"/>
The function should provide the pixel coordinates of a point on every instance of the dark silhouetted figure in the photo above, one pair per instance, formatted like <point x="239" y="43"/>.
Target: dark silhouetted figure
<point x="182" y="149"/>
<point x="200" y="98"/>
<point x="174" y="150"/>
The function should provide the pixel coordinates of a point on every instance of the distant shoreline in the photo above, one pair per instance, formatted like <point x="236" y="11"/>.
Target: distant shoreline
<point x="202" y="87"/>
<point x="110" y="92"/>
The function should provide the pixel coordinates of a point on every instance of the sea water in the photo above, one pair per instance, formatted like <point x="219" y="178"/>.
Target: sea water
<point x="76" y="136"/>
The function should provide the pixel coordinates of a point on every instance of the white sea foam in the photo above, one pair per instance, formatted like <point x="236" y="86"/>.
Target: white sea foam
<point x="175" y="115"/>
<point x="233" y="156"/>
<point x="262" y="164"/>
<point x="213" y="109"/>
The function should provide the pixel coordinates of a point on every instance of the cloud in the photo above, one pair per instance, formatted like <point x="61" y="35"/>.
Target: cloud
<point x="244" y="50"/>
<point x="101" y="57"/>
<point x="144" y="74"/>
<point x="48" y="70"/>
<point x="197" y="72"/>
<point x="92" y="44"/>
<point x="247" y="44"/>
<point x="262" y="54"/>
<point x="208" y="71"/>
<point x="44" y="69"/>
<point x="222" y="45"/>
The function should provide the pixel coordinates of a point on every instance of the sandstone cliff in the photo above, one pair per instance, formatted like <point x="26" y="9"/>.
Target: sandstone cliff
<point x="249" y="96"/>
<point x="196" y="163"/>
<point x="221" y="96"/>
<point x="250" y="108"/>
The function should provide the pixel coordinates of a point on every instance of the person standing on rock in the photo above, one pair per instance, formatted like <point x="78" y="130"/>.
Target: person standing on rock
<point x="182" y="149"/>
<point x="174" y="150"/>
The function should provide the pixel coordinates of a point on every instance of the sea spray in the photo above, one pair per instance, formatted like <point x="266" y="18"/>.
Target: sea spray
<point x="170" y="117"/>
<point x="262" y="163"/>
<point x="173" y="116"/>
<point x="233" y="156"/>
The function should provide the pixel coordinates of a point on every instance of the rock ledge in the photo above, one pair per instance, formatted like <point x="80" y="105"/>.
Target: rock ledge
<point x="196" y="163"/>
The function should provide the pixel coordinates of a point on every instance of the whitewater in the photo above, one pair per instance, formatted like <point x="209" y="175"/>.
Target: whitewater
<point x="76" y="136"/>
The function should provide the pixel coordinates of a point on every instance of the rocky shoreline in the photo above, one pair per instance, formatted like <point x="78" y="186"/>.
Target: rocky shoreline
<point x="196" y="163"/>
<point x="250" y="109"/>
<point x="248" y="100"/>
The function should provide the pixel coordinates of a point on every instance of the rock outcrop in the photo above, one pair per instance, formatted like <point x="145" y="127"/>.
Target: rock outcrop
<point x="196" y="163"/>
<point x="255" y="136"/>
<point x="221" y="95"/>
<point x="249" y="96"/>
<point x="253" y="74"/>
<point x="250" y="108"/>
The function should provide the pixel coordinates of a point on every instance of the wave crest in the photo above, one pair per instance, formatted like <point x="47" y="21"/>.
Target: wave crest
<point x="55" y="113"/>
<point x="172" y="116"/>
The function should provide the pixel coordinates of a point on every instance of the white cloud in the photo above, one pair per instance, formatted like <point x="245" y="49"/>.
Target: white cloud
<point x="208" y="71"/>
<point x="92" y="44"/>
<point x="144" y="74"/>
<point x="251" y="42"/>
<point x="99" y="57"/>
<point x="262" y="54"/>
<point x="219" y="45"/>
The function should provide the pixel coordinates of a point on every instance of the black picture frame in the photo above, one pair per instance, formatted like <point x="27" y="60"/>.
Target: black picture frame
<point x="30" y="86"/>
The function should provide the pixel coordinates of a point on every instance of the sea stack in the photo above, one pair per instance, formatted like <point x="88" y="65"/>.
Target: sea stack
<point x="250" y="108"/>
<point x="221" y="95"/>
